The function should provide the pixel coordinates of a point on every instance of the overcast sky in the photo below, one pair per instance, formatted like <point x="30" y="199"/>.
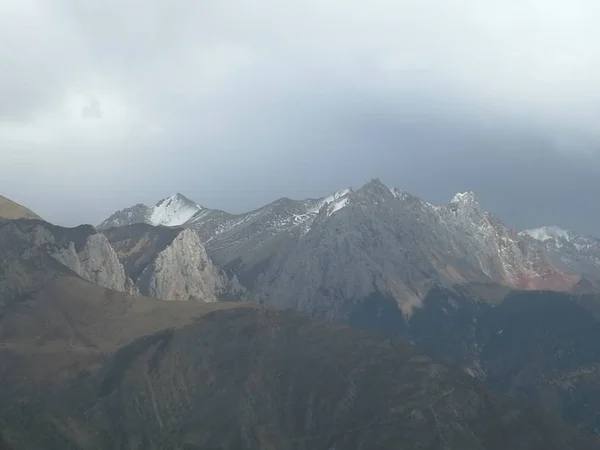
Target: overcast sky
<point x="106" y="103"/>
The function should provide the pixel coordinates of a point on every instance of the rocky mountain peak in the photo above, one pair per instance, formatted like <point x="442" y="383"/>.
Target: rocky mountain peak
<point x="466" y="199"/>
<point x="178" y="198"/>
<point x="375" y="186"/>
<point x="467" y="204"/>
<point x="173" y="211"/>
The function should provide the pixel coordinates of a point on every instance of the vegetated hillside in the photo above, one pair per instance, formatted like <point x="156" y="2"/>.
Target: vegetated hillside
<point x="84" y="367"/>
<point x="542" y="346"/>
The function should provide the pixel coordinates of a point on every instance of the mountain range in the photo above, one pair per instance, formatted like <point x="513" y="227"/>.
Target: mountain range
<point x="177" y="326"/>
<point x="323" y="255"/>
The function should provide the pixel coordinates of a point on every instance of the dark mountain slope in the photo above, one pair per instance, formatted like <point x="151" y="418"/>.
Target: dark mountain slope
<point x="543" y="346"/>
<point x="3" y="444"/>
<point x="88" y="368"/>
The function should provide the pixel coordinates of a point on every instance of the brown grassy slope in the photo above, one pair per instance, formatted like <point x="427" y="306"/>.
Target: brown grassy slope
<point x="10" y="210"/>
<point x="71" y="319"/>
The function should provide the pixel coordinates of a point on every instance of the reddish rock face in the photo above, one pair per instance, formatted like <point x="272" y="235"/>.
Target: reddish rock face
<point x="554" y="281"/>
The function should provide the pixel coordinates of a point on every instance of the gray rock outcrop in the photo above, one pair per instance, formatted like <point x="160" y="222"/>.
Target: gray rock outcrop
<point x="171" y="264"/>
<point x="182" y="271"/>
<point x="96" y="261"/>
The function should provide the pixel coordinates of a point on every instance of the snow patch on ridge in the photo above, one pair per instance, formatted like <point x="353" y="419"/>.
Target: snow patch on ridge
<point x="337" y="205"/>
<point x="334" y="198"/>
<point x="544" y="234"/>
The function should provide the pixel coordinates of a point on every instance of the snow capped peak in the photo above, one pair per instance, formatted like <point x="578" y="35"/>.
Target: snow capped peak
<point x="173" y="211"/>
<point x="177" y="197"/>
<point x="544" y="234"/>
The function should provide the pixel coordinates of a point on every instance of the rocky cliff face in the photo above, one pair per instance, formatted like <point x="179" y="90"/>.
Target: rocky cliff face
<point x="496" y="249"/>
<point x="165" y="263"/>
<point x="170" y="264"/>
<point x="182" y="271"/>
<point x="95" y="261"/>
<point x="81" y="250"/>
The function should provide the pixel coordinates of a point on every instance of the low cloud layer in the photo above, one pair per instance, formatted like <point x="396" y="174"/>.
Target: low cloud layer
<point x="107" y="103"/>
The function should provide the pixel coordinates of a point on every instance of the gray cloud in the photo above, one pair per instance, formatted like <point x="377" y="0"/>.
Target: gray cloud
<point x="238" y="102"/>
<point x="92" y="110"/>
